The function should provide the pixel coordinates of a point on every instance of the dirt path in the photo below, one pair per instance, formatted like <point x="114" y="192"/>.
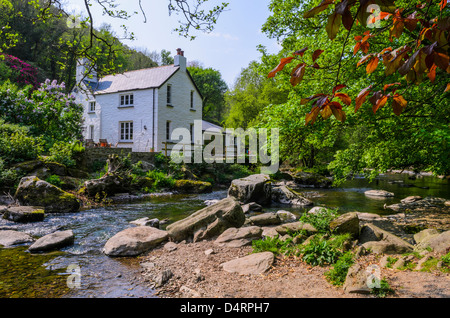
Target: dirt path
<point x="198" y="275"/>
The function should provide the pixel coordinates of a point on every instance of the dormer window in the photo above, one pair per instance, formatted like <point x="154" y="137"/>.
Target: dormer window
<point x="126" y="100"/>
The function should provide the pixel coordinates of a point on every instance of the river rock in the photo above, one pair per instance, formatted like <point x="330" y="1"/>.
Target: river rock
<point x="286" y="216"/>
<point x="379" y="193"/>
<point x="356" y="280"/>
<point x="254" y="188"/>
<point x="265" y="219"/>
<point x="318" y="210"/>
<point x="107" y="185"/>
<point x="192" y="186"/>
<point x="10" y="237"/>
<point x="414" y="203"/>
<point x="382" y="242"/>
<point x="251" y="207"/>
<point x="208" y="222"/>
<point x="346" y="223"/>
<point x="284" y="195"/>
<point x="308" y="179"/>
<point x="24" y="214"/>
<point x="35" y="192"/>
<point x="253" y="264"/>
<point x="439" y="243"/>
<point x="287" y="228"/>
<point x="53" y="241"/>
<point x="134" y="241"/>
<point x="238" y="237"/>
<point x="146" y="221"/>
<point x="425" y="235"/>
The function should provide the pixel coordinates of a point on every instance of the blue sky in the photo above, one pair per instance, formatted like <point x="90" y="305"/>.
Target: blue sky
<point x="228" y="49"/>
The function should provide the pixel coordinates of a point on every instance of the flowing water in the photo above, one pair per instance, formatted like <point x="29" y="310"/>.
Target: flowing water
<point x="46" y="275"/>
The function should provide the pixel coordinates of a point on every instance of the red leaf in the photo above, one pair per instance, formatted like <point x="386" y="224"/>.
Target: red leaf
<point x="322" y="6"/>
<point x="432" y="73"/>
<point x="389" y="85"/>
<point x="326" y="112"/>
<point x="338" y="87"/>
<point x="372" y="65"/>
<point x="361" y="98"/>
<point x="398" y="104"/>
<point x="344" y="98"/>
<point x="347" y="19"/>
<point x="312" y="116"/>
<point x="364" y="59"/>
<point x="332" y="27"/>
<point x="380" y="103"/>
<point x="280" y="66"/>
<point x="338" y="113"/>
<point x="447" y="88"/>
<point x="297" y="74"/>
<point x="356" y="48"/>
<point x="316" y="54"/>
<point x="441" y="60"/>
<point x="300" y="52"/>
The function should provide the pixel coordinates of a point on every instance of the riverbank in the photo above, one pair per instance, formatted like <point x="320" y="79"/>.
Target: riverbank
<point x="197" y="274"/>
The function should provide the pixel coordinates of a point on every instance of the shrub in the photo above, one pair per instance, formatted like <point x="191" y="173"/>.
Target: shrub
<point x="338" y="273"/>
<point x="16" y="144"/>
<point x="19" y="71"/>
<point x="320" y="251"/>
<point x="55" y="180"/>
<point x="384" y="289"/>
<point x="274" y="245"/>
<point x="161" y="180"/>
<point x="8" y="177"/>
<point x="321" y="221"/>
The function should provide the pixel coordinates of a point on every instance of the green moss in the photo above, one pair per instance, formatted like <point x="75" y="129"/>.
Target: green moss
<point x="192" y="186"/>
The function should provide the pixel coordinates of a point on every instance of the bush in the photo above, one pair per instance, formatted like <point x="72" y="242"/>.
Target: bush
<point x="161" y="180"/>
<point x="64" y="153"/>
<point x="16" y="144"/>
<point x="321" y="221"/>
<point x="55" y="180"/>
<point x="274" y="245"/>
<point x="338" y="273"/>
<point x="320" y="251"/>
<point x="8" y="177"/>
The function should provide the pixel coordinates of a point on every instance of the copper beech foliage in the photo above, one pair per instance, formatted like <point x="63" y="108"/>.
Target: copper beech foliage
<point x="425" y="55"/>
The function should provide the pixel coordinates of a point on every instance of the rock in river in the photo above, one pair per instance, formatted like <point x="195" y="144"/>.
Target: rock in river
<point x="35" y="192"/>
<point x="254" y="188"/>
<point x="379" y="193"/>
<point x="134" y="241"/>
<point x="24" y="214"/>
<point x="53" y="241"/>
<point x="10" y="237"/>
<point x="208" y="222"/>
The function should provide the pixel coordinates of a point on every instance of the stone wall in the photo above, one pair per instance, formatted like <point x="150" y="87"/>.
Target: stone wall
<point x="95" y="158"/>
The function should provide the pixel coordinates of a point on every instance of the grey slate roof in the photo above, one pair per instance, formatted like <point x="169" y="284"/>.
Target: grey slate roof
<point x="134" y="80"/>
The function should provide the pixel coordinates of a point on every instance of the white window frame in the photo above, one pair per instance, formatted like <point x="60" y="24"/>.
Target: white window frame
<point x="192" y="100"/>
<point x="126" y="100"/>
<point x="168" y="130"/>
<point x="126" y="131"/>
<point x="169" y="95"/>
<point x="92" y="106"/>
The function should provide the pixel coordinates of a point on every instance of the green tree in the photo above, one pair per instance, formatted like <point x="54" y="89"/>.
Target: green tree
<point x="212" y="87"/>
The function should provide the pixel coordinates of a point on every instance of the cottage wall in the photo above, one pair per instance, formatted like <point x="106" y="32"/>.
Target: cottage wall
<point x="179" y="113"/>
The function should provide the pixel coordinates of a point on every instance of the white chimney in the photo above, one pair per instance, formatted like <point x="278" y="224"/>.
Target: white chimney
<point x="84" y="71"/>
<point x="180" y="60"/>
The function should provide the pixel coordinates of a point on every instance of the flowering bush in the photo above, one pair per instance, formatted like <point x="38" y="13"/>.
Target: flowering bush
<point x="48" y="111"/>
<point x="22" y="73"/>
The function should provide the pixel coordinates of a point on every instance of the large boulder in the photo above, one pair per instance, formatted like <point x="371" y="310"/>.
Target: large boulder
<point x="10" y="237"/>
<point x="53" y="241"/>
<point x="192" y="186"/>
<point x="107" y="185"/>
<point x="289" y="228"/>
<point x="208" y="222"/>
<point x="35" y="192"/>
<point x="382" y="242"/>
<point x="253" y="264"/>
<point x="255" y="188"/>
<point x="265" y="219"/>
<point x="237" y="237"/>
<point x="378" y="193"/>
<point x="346" y="223"/>
<point x="134" y="241"/>
<point x="24" y="214"/>
<point x="438" y="242"/>
<point x="311" y="180"/>
<point x="284" y="195"/>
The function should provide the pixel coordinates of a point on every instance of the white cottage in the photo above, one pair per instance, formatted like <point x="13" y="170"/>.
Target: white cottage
<point x="139" y="109"/>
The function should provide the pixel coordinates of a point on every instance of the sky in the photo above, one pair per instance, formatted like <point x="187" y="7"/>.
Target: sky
<point x="229" y="48"/>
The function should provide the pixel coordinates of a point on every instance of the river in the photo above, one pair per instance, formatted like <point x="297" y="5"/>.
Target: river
<point x="46" y="275"/>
